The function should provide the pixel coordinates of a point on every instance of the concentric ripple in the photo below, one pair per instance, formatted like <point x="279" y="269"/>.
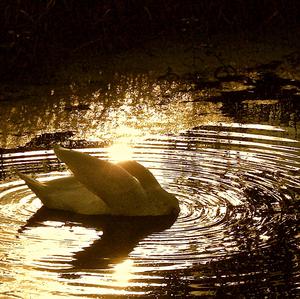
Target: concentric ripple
<point x="238" y="187"/>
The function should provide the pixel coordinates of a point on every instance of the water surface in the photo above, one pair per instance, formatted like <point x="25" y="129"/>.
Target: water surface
<point x="237" y="177"/>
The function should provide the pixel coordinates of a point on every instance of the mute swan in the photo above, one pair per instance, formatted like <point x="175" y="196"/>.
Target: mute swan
<point x="101" y="187"/>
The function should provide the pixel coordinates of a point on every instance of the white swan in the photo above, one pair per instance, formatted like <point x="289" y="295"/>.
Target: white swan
<point x="101" y="187"/>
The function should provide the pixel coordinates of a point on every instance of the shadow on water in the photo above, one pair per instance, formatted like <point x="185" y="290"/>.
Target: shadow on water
<point x="118" y="238"/>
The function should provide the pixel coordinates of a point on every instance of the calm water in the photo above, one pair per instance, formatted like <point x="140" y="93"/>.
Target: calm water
<point x="234" y="166"/>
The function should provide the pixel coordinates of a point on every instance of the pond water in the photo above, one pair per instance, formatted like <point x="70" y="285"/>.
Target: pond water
<point x="232" y="158"/>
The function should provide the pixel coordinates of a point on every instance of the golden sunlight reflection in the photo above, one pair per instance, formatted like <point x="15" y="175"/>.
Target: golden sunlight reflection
<point x="123" y="273"/>
<point x="45" y="252"/>
<point x="132" y="109"/>
<point x="124" y="130"/>
<point x="54" y="240"/>
<point x="120" y="151"/>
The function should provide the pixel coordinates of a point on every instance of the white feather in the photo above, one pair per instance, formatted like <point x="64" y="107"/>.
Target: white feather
<point x="101" y="187"/>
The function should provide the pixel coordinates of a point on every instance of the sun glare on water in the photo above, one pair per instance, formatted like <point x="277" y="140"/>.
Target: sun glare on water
<point x="122" y="273"/>
<point x="120" y="151"/>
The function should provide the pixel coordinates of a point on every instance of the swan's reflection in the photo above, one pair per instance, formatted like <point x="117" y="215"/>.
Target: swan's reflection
<point x="119" y="235"/>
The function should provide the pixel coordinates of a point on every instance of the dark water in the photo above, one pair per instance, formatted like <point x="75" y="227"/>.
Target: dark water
<point x="236" y="175"/>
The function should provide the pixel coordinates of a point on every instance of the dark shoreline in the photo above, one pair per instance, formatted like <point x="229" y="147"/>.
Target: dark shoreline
<point x="38" y="38"/>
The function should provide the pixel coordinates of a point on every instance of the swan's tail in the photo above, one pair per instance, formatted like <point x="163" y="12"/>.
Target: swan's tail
<point x="36" y="186"/>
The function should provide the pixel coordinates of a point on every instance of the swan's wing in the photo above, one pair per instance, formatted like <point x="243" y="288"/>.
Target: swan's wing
<point x="144" y="175"/>
<point x="121" y="191"/>
<point x="69" y="194"/>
